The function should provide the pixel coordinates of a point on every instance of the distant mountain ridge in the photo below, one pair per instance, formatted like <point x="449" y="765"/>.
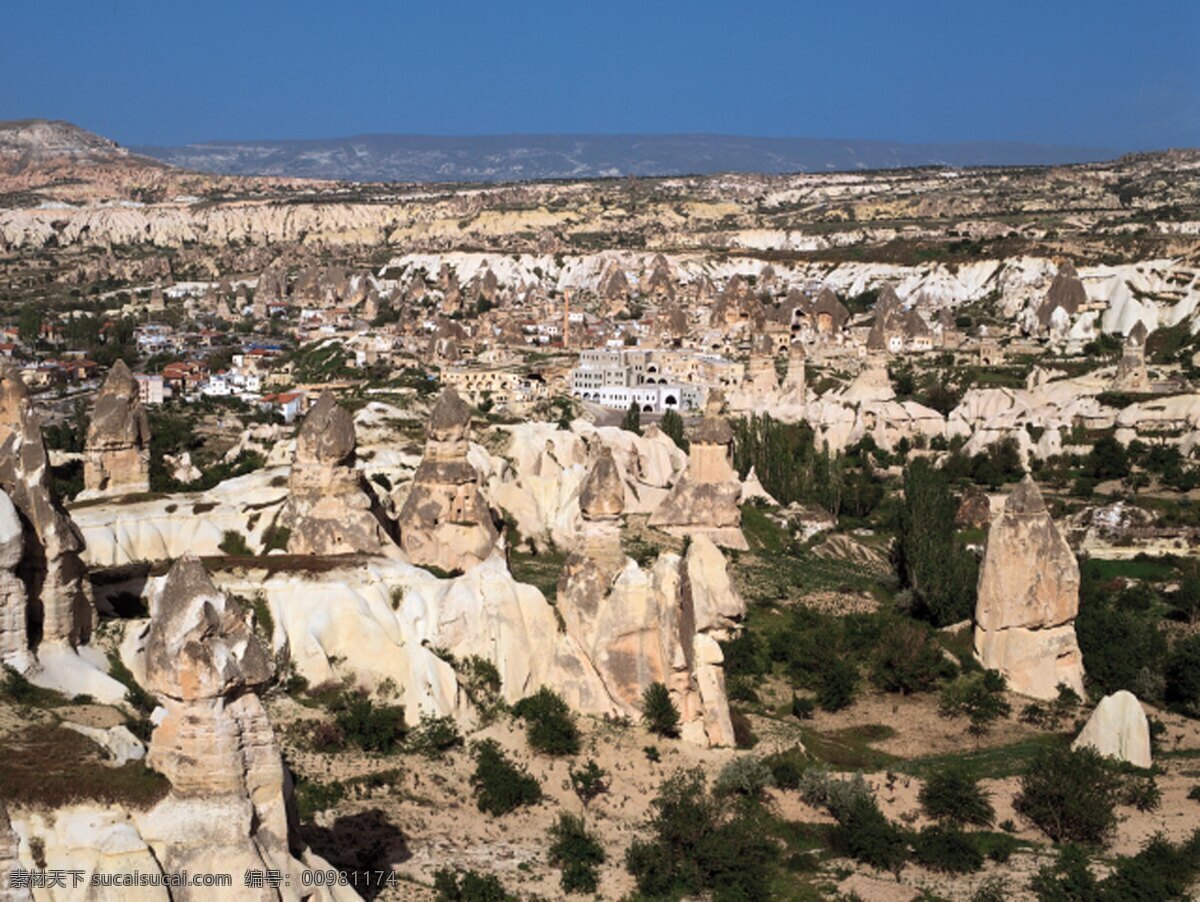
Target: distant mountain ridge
<point x="520" y="157"/>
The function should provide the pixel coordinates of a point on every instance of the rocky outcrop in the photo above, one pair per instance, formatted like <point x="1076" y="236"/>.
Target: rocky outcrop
<point x="1131" y="373"/>
<point x="974" y="509"/>
<point x="1118" y="729"/>
<point x="445" y="521"/>
<point x="227" y="810"/>
<point x="330" y="509"/>
<point x="705" y="499"/>
<point x="117" y="454"/>
<point x="9" y="861"/>
<point x="14" y="645"/>
<point x="1028" y="599"/>
<point x="658" y="625"/>
<point x="601" y="504"/>
<point x="60" y="608"/>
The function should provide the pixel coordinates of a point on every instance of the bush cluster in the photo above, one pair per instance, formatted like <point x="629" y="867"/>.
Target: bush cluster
<point x="549" y="724"/>
<point x="499" y="785"/>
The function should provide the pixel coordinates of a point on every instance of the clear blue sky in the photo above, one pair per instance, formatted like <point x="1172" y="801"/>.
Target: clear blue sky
<point x="1116" y="74"/>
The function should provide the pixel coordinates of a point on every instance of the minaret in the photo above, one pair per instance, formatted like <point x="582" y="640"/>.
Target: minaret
<point x="566" y="329"/>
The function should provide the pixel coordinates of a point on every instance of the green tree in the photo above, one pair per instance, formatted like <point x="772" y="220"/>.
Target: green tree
<point x="659" y="712"/>
<point x="29" y="324"/>
<point x="1070" y="795"/>
<point x="577" y="853"/>
<point x="633" y="419"/>
<point x="941" y="574"/>
<point x="672" y="426"/>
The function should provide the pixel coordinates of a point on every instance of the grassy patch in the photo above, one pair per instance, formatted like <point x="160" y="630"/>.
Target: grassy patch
<point x="1148" y="569"/>
<point x="18" y="690"/>
<point x="762" y="533"/>
<point x="540" y="570"/>
<point x="850" y="749"/>
<point x="985" y="763"/>
<point x="50" y="766"/>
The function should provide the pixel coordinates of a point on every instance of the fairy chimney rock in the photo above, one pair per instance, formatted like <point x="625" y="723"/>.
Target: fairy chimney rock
<point x="1028" y="599"/>
<point x="445" y="521"/>
<point x="330" y="508"/>
<point x="117" y="453"/>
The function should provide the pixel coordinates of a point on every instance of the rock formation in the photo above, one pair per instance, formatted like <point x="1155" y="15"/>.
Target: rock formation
<point x="974" y="510"/>
<point x="1028" y="599"/>
<point x="9" y="862"/>
<point x="60" y="608"/>
<point x="761" y="377"/>
<point x="445" y="521"/>
<point x="658" y="625"/>
<point x="14" y="645"/>
<point x="227" y="810"/>
<point x="601" y="503"/>
<point x="705" y="499"/>
<point x="1131" y="373"/>
<point x="795" y="384"/>
<point x="117" y="455"/>
<point x="1118" y="729"/>
<point x="330" y="509"/>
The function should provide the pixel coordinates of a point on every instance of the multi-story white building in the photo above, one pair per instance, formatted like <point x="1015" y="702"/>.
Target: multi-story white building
<point x="656" y="380"/>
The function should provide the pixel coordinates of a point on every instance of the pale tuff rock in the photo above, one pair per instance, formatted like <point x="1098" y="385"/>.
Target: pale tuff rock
<point x="658" y="625"/>
<point x="445" y="521"/>
<point x="227" y="809"/>
<point x="1028" y="600"/>
<point x="1131" y="368"/>
<point x="1118" y="729"/>
<point x="538" y="480"/>
<point x="705" y="499"/>
<point x="9" y="860"/>
<point x="330" y="509"/>
<point x="14" y="646"/>
<point x="117" y="455"/>
<point x="761" y="377"/>
<point x="795" y="388"/>
<point x="601" y="504"/>
<point x="382" y="620"/>
<point x="1064" y="299"/>
<point x="59" y="604"/>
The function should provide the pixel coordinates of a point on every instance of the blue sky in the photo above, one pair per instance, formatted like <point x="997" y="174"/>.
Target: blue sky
<point x="1120" y="75"/>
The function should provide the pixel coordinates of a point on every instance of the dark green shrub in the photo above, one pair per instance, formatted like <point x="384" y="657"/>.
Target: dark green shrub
<point x="499" y="785"/>
<point x="1067" y="879"/>
<point x="434" y="736"/>
<point x="803" y="707"/>
<point x="659" y="712"/>
<point x="1161" y="870"/>
<point x="836" y="685"/>
<point x="745" y="776"/>
<point x="947" y="849"/>
<point x="1194" y="793"/>
<point x="696" y="843"/>
<point x="1070" y="795"/>
<point x="589" y="781"/>
<point x="577" y="853"/>
<point x="953" y="795"/>
<point x="1142" y="793"/>
<point x="1182" y="674"/>
<point x="864" y="834"/>
<point x="977" y="696"/>
<point x="549" y="725"/>
<point x="908" y="660"/>
<point x="787" y="767"/>
<point x="233" y="543"/>
<point x="651" y="754"/>
<point x="371" y="726"/>
<point x="468" y="886"/>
